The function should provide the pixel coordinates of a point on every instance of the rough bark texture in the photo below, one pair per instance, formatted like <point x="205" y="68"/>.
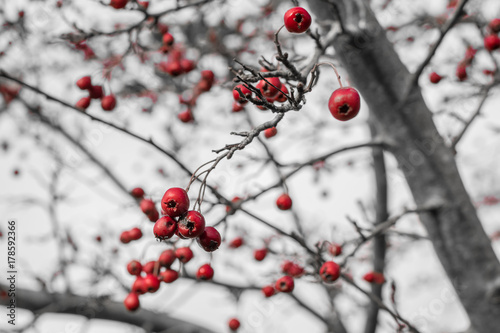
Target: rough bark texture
<point x="428" y="164"/>
<point x="43" y="302"/>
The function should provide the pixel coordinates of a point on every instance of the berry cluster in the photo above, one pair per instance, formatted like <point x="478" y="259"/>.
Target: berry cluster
<point x="108" y="102"/>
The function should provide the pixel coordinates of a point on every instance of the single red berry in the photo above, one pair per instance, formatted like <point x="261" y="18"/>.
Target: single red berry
<point x="234" y="324"/>
<point x="175" y="202"/>
<point x="237" y="107"/>
<point x="168" y="39"/>
<point x="97" y="238"/>
<point x="131" y="302"/>
<point x="260" y="254"/>
<point x="374" y="277"/>
<point x="335" y="249"/>
<point x="83" y="103"/>
<point x="134" y="267"/>
<point x="165" y="228"/>
<point x="284" y="202"/>
<point x="344" y="103"/>
<point x="297" y="20"/>
<point x="139" y="286"/>
<point x="96" y="92"/>
<point x="152" y="283"/>
<point x="268" y="291"/>
<point x="153" y="216"/>
<point x="147" y="206"/>
<point x="205" y="272"/>
<point x="118" y="4"/>
<point x="435" y="77"/>
<point x="281" y="97"/>
<point x="84" y="83"/>
<point x="187" y="65"/>
<point x="192" y="224"/>
<point x="233" y="200"/>
<point x="270" y="132"/>
<point x="208" y="75"/>
<point x="184" y="254"/>
<point x="186" y="116"/>
<point x="203" y="86"/>
<point x="329" y="271"/>
<point x="135" y="233"/>
<point x="210" y="239"/>
<point x="292" y="269"/>
<point x="149" y="267"/>
<point x="162" y="28"/>
<point x="247" y="93"/>
<point x="167" y="258"/>
<point x="169" y="276"/>
<point x="174" y="68"/>
<point x="494" y="25"/>
<point x="125" y="237"/>
<point x="285" y="284"/>
<point x="236" y="243"/>
<point x="461" y="72"/>
<point x="108" y="103"/>
<point x="491" y="42"/>
<point x="20" y="14"/>
<point x="137" y="192"/>
<point x="269" y="89"/>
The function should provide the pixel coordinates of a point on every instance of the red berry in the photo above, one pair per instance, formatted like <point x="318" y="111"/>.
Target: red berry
<point x="234" y="324"/>
<point x="335" y="249"/>
<point x="236" y="243"/>
<point x="165" y="228"/>
<point x="144" y="4"/>
<point x="461" y="72"/>
<point x="139" y="286"/>
<point x="20" y="14"/>
<point x="153" y="216"/>
<point x="118" y="4"/>
<point x="210" y="239"/>
<point x="134" y="267"/>
<point x="268" y="291"/>
<point x="167" y="258"/>
<point x="260" y="254"/>
<point x="284" y="202"/>
<point x="292" y="269"/>
<point x="152" y="283"/>
<point x="270" y="132"/>
<point x="344" y="103"/>
<point x="208" y="75"/>
<point x="494" y="25"/>
<point x="168" y="39"/>
<point x="84" y="83"/>
<point x="135" y="233"/>
<point x="137" y="192"/>
<point x="83" y="103"/>
<point x="245" y="91"/>
<point x="108" y="103"/>
<point x="267" y="89"/>
<point x="435" y="77"/>
<point x="285" y="284"/>
<point x="125" y="237"/>
<point x="237" y="107"/>
<point x="96" y="92"/>
<point x="187" y="65"/>
<point x="131" y="302"/>
<point x="374" y="277"/>
<point x="192" y="224"/>
<point x="175" y="202"/>
<point x="203" y="86"/>
<point x="297" y="20"/>
<point x="169" y="276"/>
<point x="491" y="42"/>
<point x="330" y="271"/>
<point x="174" y="68"/>
<point x="205" y="272"/>
<point x="184" y="254"/>
<point x="147" y="206"/>
<point x="186" y="116"/>
<point x="149" y="267"/>
<point x="281" y="97"/>
<point x="97" y="238"/>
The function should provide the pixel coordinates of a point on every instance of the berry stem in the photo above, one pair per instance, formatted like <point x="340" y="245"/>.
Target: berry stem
<point x="331" y="65"/>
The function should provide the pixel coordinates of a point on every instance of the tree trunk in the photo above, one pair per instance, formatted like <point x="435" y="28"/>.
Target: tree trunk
<point x="428" y="164"/>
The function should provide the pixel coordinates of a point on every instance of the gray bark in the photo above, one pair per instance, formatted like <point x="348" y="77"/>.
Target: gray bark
<point x="427" y="162"/>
